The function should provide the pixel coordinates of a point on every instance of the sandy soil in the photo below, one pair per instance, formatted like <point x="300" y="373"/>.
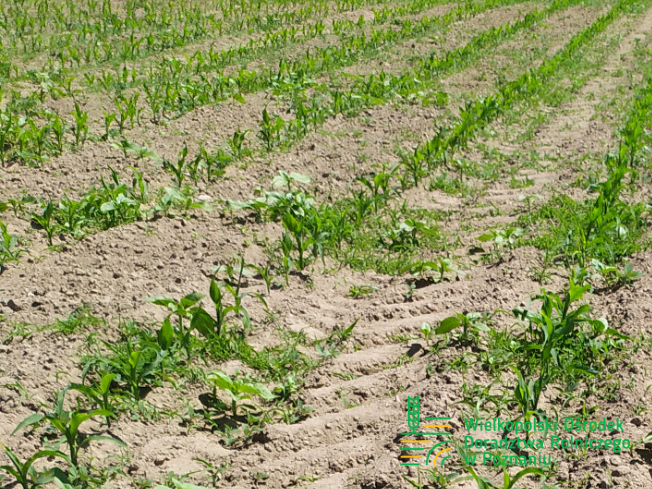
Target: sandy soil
<point x="351" y="439"/>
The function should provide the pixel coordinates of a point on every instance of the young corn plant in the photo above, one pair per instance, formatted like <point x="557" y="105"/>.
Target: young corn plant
<point x="508" y="481"/>
<point x="215" y="164"/>
<point x="270" y="130"/>
<point x="378" y="185"/>
<point x="178" y="170"/>
<point x="236" y="143"/>
<point x="295" y="229"/>
<point x="9" y="249"/>
<point x="100" y="395"/>
<point x="135" y="365"/>
<point x="109" y="118"/>
<point x="18" y="206"/>
<point x="25" y="473"/>
<point x="238" y="390"/>
<point x="81" y="125"/>
<point x="183" y="309"/>
<point x="564" y="348"/>
<point x="67" y="423"/>
<point x="59" y="129"/>
<point x="210" y="327"/>
<point x="45" y="221"/>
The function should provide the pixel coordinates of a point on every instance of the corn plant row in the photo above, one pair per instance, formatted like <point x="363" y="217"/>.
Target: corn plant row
<point x="202" y="61"/>
<point x="634" y="136"/>
<point x="180" y="87"/>
<point x="308" y="116"/>
<point x="97" y="50"/>
<point x="158" y="31"/>
<point x="99" y="17"/>
<point x="476" y="114"/>
<point x="40" y="133"/>
<point x="597" y="235"/>
<point x="28" y="141"/>
<point x="312" y="230"/>
<point x="457" y="59"/>
<point x="82" y="24"/>
<point x="137" y="47"/>
<point x="377" y="89"/>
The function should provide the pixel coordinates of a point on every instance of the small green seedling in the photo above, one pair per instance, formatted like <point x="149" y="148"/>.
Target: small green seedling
<point x="45" y="220"/>
<point x="68" y="423"/>
<point x="183" y="309"/>
<point x="238" y="390"/>
<point x="501" y="238"/>
<point x="508" y="482"/>
<point x="469" y="322"/>
<point x="99" y="395"/>
<point x="357" y="291"/>
<point x="25" y="473"/>
<point x="426" y="330"/>
<point x="178" y="170"/>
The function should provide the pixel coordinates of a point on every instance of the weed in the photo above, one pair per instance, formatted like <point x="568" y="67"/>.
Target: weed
<point x="358" y="291"/>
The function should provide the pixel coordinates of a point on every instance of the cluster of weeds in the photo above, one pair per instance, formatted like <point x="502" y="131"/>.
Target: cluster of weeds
<point x="110" y="205"/>
<point x="113" y="203"/>
<point x="364" y="231"/>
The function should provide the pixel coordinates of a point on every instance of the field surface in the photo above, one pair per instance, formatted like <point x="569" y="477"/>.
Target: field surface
<point x="258" y="243"/>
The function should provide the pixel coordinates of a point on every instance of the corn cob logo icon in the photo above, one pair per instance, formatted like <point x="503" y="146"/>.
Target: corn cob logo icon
<point x="413" y="421"/>
<point x="413" y="413"/>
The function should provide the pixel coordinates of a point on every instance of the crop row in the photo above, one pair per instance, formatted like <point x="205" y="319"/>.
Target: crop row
<point x="158" y="30"/>
<point x="312" y="230"/>
<point x="101" y="19"/>
<point x="476" y="114"/>
<point x="310" y="114"/>
<point x="601" y="232"/>
<point x="24" y="139"/>
<point x="375" y="89"/>
<point x="134" y="47"/>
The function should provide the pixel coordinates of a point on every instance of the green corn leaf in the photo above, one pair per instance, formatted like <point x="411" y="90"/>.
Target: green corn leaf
<point x="613" y="332"/>
<point x="524" y="472"/>
<point x="29" y="421"/>
<point x="105" y="383"/>
<point x="160" y="301"/>
<point x="79" y="418"/>
<point x="110" y="439"/>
